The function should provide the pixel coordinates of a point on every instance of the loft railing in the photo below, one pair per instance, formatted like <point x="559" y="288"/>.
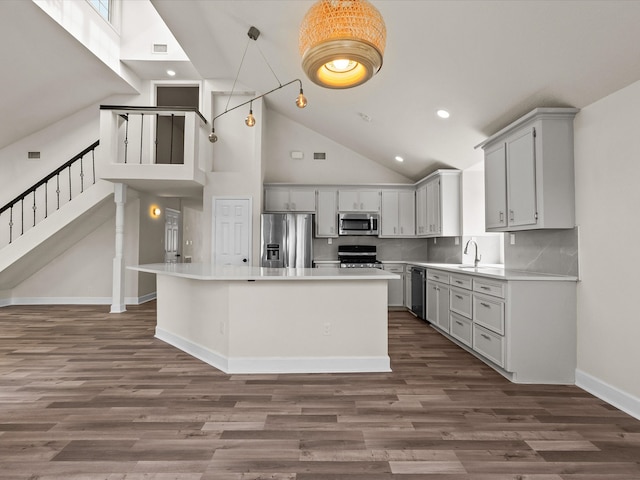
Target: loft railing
<point x="151" y="135"/>
<point x="47" y="195"/>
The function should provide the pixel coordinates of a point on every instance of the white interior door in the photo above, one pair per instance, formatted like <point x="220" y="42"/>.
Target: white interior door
<point x="232" y="235"/>
<point x="171" y="235"/>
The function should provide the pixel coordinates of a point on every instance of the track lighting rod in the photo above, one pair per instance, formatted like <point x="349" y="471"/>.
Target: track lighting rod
<point x="301" y="104"/>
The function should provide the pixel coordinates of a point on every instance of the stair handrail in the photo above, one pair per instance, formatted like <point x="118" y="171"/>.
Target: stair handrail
<point x="57" y="171"/>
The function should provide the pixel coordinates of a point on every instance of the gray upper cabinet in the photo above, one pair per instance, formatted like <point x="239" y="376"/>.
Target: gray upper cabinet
<point x="277" y="199"/>
<point x="529" y="182"/>
<point x="438" y="205"/>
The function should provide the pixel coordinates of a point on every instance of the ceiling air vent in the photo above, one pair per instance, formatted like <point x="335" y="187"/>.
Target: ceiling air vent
<point x="160" y="48"/>
<point x="33" y="155"/>
<point x="319" y="156"/>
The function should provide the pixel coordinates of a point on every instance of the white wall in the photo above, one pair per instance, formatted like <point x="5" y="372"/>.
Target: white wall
<point x="607" y="169"/>
<point x="342" y="165"/>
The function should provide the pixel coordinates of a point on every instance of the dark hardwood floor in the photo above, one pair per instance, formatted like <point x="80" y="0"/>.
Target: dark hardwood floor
<point x="85" y="394"/>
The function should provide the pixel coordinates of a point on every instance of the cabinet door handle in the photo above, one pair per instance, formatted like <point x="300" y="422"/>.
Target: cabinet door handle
<point x="293" y="206"/>
<point x="286" y="206"/>
<point x="511" y="215"/>
<point x="485" y="304"/>
<point x="459" y="323"/>
<point x="458" y="282"/>
<point x="501" y="216"/>
<point x="486" y="337"/>
<point x="459" y="296"/>
<point x="484" y="288"/>
<point x="361" y="206"/>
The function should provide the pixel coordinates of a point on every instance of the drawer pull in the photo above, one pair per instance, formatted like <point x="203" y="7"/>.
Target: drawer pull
<point x="485" y="304"/>
<point x="459" y="296"/>
<point x="486" y="337"/>
<point x="460" y="323"/>
<point x="485" y="288"/>
<point x="436" y="276"/>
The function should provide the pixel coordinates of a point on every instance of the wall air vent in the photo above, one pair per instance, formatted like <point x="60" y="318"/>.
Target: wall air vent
<point x="33" y="155"/>
<point x="160" y="48"/>
<point x="319" y="156"/>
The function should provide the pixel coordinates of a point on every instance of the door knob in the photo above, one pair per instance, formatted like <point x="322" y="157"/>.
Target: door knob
<point x="244" y="260"/>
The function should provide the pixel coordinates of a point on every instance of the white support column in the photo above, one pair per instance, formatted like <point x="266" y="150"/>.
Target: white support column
<point x="118" y="303"/>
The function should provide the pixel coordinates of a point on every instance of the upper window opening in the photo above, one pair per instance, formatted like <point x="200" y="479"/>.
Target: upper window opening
<point x="103" y="7"/>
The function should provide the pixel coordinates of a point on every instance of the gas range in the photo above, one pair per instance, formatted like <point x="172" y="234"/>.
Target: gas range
<point x="358" y="256"/>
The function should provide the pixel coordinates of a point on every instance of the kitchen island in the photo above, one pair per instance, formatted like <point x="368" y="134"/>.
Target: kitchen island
<point x="243" y="319"/>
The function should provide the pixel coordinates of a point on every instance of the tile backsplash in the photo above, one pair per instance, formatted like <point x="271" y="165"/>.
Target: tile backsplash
<point x="544" y="251"/>
<point x="387" y="248"/>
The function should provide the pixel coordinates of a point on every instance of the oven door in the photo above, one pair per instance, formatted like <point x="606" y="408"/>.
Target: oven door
<point x="357" y="224"/>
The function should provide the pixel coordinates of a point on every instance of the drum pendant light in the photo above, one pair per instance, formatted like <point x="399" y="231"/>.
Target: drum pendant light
<point x="342" y="42"/>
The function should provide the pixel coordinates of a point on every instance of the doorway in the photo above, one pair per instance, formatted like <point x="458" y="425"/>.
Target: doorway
<point x="170" y="128"/>
<point x="232" y="231"/>
<point x="172" y="235"/>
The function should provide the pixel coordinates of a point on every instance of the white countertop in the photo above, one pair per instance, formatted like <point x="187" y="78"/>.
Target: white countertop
<point x="497" y="272"/>
<point x="205" y="271"/>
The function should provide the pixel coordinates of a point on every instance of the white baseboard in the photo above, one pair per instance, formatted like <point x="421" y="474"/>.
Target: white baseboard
<point x="193" y="349"/>
<point x="259" y="365"/>
<point x="60" y="301"/>
<point x="5" y="302"/>
<point x="610" y="394"/>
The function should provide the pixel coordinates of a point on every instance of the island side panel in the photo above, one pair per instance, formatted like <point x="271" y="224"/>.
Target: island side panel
<point x="192" y="315"/>
<point x="308" y="325"/>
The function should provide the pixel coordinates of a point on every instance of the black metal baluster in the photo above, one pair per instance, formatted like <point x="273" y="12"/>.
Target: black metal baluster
<point x="171" y="148"/>
<point x="34" y="208"/>
<point x="69" y="182"/>
<point x="93" y="163"/>
<point x="126" y="138"/>
<point x="156" y="139"/>
<point x="81" y="175"/>
<point x="141" y="134"/>
<point x="11" y="224"/>
<point x="22" y="216"/>
<point x="58" y="191"/>
<point x="46" y="199"/>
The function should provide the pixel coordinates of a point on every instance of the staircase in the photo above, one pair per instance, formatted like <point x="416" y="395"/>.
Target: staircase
<point x="50" y="217"/>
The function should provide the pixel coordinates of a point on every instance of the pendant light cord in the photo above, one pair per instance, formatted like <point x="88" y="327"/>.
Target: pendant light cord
<point x="237" y="75"/>
<point x="268" y="65"/>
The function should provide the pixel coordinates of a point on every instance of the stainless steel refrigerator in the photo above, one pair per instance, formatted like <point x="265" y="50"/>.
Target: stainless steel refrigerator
<point x="287" y="240"/>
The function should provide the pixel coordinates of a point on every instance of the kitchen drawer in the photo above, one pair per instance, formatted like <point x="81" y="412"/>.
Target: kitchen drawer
<point x="462" y="281"/>
<point x="438" y="276"/>
<point x="461" y="328"/>
<point x="393" y="268"/>
<point x="488" y="344"/>
<point x="460" y="301"/>
<point x="482" y="285"/>
<point x="489" y="312"/>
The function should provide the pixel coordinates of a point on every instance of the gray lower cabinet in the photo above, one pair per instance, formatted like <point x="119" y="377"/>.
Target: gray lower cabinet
<point x="395" y="287"/>
<point x="438" y="292"/>
<point x="525" y="329"/>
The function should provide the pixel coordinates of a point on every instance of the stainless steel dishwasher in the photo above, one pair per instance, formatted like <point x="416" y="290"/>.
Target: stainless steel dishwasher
<point x="418" y="292"/>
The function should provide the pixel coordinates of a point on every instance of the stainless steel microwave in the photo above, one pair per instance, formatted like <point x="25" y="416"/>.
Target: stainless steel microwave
<point x="358" y="223"/>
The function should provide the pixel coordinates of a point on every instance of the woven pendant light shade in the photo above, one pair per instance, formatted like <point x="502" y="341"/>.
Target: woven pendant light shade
<point x="342" y="42"/>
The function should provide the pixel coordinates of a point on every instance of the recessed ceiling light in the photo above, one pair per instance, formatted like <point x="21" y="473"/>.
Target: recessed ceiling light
<point x="443" y="113"/>
<point x="171" y="73"/>
<point x="399" y="158"/>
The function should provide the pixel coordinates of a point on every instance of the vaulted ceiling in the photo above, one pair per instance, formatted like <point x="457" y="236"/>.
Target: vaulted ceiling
<point x="486" y="62"/>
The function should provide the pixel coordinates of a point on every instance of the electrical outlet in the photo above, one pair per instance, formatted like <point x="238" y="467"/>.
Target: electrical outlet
<point x="222" y="327"/>
<point x="512" y="238"/>
<point x="329" y="241"/>
<point x="327" y="328"/>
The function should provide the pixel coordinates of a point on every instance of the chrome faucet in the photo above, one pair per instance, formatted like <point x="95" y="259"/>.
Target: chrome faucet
<point x="477" y="257"/>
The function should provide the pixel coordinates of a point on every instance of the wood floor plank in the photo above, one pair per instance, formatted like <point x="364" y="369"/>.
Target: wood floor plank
<point x="86" y="395"/>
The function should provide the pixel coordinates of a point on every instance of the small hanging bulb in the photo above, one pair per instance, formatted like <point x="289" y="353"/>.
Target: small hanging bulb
<point x="213" y="138"/>
<point x="250" y="121"/>
<point x="301" y="100"/>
